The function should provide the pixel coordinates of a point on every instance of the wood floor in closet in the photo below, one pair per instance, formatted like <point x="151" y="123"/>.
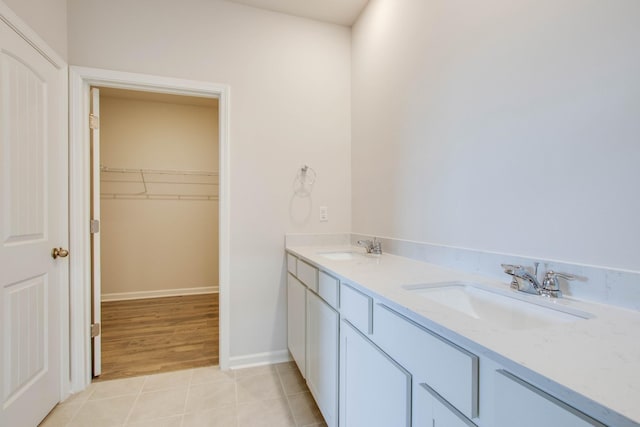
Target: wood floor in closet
<point x="148" y="336"/>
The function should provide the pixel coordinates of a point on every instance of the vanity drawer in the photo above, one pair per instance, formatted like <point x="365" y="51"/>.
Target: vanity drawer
<point x="520" y="403"/>
<point x="308" y="275"/>
<point x="357" y="308"/>
<point x="328" y="288"/>
<point x="292" y="263"/>
<point x="448" y="369"/>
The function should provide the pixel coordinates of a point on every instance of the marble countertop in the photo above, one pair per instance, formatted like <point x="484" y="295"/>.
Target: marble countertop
<point x="593" y="363"/>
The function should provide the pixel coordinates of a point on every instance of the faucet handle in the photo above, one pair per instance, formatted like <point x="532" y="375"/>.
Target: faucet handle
<point x="376" y="246"/>
<point x="367" y="243"/>
<point x="565" y="276"/>
<point x="511" y="270"/>
<point x="550" y="285"/>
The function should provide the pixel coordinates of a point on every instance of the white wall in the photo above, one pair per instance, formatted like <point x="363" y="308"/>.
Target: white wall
<point x="499" y="125"/>
<point x="290" y="105"/>
<point x="48" y="18"/>
<point x="151" y="245"/>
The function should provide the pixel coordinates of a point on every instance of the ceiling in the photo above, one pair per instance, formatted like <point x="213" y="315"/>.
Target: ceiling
<point x="342" y="12"/>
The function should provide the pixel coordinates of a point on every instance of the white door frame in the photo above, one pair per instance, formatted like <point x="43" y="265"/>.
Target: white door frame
<point x="80" y="80"/>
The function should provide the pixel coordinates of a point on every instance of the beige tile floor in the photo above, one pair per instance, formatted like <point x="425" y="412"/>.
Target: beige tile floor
<point x="266" y="396"/>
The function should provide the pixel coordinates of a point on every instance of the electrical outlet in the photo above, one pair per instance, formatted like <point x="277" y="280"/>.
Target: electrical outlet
<point x="324" y="214"/>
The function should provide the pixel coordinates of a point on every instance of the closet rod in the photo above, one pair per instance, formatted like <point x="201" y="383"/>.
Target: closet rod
<point x="129" y="181"/>
<point x="159" y="171"/>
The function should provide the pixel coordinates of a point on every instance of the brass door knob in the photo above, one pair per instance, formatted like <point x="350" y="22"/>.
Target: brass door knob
<point x="59" y="252"/>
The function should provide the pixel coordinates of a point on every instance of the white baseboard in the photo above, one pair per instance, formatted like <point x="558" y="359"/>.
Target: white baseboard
<point x="121" y="296"/>
<point x="259" y="359"/>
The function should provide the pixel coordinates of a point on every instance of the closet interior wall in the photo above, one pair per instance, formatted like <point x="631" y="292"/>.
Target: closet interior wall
<point x="159" y="186"/>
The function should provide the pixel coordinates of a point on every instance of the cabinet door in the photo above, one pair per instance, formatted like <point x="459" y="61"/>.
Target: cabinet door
<point x="519" y="403"/>
<point x="435" y="411"/>
<point x="322" y="356"/>
<point x="374" y="390"/>
<point x="296" y="321"/>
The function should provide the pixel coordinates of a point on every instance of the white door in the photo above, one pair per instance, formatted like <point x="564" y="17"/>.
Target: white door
<point x="96" y="291"/>
<point x="33" y="220"/>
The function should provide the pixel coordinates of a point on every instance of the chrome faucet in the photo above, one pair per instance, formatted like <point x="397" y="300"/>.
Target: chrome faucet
<point x="522" y="279"/>
<point x="371" y="246"/>
<point x="525" y="281"/>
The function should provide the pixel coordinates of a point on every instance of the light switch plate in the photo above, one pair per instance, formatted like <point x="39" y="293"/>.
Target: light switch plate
<point x="324" y="214"/>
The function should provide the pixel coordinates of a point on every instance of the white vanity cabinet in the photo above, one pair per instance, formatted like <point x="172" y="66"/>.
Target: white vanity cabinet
<point x="292" y="264"/>
<point x="357" y="308"/>
<point x="450" y="370"/>
<point x="313" y="332"/>
<point x="438" y="412"/>
<point x="307" y="274"/>
<point x="297" y="321"/>
<point x="329" y="289"/>
<point x="518" y="403"/>
<point x="374" y="390"/>
<point x="300" y="277"/>
<point x="370" y="362"/>
<point x="322" y="356"/>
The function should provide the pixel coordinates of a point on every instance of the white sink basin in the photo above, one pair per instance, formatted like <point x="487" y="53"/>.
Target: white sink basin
<point x="341" y="255"/>
<point x="504" y="309"/>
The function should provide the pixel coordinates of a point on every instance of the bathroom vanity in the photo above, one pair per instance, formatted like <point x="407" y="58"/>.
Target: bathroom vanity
<point x="384" y="340"/>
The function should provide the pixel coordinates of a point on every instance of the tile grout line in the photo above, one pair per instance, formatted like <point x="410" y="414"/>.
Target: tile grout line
<point x="286" y="395"/>
<point x="75" y="414"/>
<point x="186" y="399"/>
<point x="77" y="411"/>
<point x="135" y="402"/>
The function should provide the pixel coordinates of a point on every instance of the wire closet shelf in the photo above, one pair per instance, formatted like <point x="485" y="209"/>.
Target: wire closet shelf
<point x="158" y="184"/>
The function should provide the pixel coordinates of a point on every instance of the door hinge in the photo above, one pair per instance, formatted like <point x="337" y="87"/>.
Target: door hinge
<point x="95" y="330"/>
<point x="94" y="226"/>
<point x="94" y="121"/>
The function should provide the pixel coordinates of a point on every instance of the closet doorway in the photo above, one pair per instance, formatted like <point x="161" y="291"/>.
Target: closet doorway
<point x="155" y="251"/>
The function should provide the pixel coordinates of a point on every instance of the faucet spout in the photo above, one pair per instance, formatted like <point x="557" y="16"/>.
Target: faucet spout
<point x="523" y="280"/>
<point x="527" y="282"/>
